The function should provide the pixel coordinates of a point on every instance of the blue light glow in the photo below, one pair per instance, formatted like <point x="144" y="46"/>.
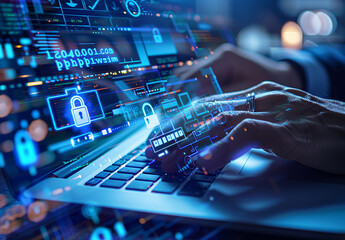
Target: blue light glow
<point x="81" y="58"/>
<point x="25" y="149"/>
<point x="9" y="50"/>
<point x="101" y="233"/>
<point x="120" y="229"/>
<point x="137" y="14"/>
<point x="71" y="124"/>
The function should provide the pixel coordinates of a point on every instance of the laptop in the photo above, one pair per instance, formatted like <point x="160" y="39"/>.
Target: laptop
<point x="85" y="87"/>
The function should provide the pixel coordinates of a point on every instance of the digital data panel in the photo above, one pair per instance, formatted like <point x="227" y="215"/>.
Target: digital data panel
<point x="75" y="72"/>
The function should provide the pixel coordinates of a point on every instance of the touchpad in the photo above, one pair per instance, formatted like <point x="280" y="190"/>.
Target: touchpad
<point x="252" y="163"/>
<point x="261" y="164"/>
<point x="257" y="163"/>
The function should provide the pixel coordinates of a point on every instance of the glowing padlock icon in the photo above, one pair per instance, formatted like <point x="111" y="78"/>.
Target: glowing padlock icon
<point x="80" y="114"/>
<point x="157" y="35"/>
<point x="25" y="149"/>
<point x="151" y="121"/>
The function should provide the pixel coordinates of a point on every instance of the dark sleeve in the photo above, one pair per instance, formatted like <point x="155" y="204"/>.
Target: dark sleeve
<point x="332" y="59"/>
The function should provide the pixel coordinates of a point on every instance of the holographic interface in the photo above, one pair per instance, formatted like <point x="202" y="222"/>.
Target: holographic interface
<point x="76" y="73"/>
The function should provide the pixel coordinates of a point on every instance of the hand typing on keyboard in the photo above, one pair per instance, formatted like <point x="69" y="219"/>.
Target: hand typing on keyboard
<point x="288" y="122"/>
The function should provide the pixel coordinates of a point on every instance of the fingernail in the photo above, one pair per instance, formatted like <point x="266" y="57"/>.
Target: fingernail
<point x="204" y="170"/>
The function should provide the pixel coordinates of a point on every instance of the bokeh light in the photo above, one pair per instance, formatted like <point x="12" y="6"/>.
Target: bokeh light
<point x="254" y="38"/>
<point x="310" y="23"/>
<point x="37" y="211"/>
<point x="7" y="146"/>
<point x="6" y="127"/>
<point x="16" y="211"/>
<point x="38" y="130"/>
<point x="6" y="106"/>
<point x="327" y="25"/>
<point x="7" y="226"/>
<point x="291" y="35"/>
<point x="317" y="23"/>
<point x="24" y="123"/>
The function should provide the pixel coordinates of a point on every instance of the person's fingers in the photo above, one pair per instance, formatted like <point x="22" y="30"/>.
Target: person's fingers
<point x="268" y="95"/>
<point x="149" y="153"/>
<point x="269" y="107"/>
<point x="174" y="121"/>
<point x="303" y="94"/>
<point x="179" y="70"/>
<point x="192" y="72"/>
<point x="269" y="101"/>
<point x="187" y="72"/>
<point x="224" y="122"/>
<point x="250" y="133"/>
<point x="272" y="101"/>
<point x="292" y="103"/>
<point x="226" y="61"/>
<point x="265" y="105"/>
<point x="216" y="129"/>
<point x="265" y="86"/>
<point x="223" y="62"/>
<point x="264" y="102"/>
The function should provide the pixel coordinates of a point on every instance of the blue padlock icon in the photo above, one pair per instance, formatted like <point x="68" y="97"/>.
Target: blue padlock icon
<point x="157" y="35"/>
<point x="25" y="149"/>
<point x="80" y="114"/>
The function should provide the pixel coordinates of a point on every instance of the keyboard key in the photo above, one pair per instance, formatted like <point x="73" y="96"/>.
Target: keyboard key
<point x="111" y="168"/>
<point x="142" y="159"/>
<point x="121" y="176"/>
<point x="166" y="187"/>
<point x="148" y="177"/>
<point x="102" y="174"/>
<point x="113" y="183"/>
<point x="202" y="178"/>
<point x="194" y="189"/>
<point x="129" y="170"/>
<point x="136" y="164"/>
<point x="136" y="151"/>
<point x="93" y="182"/>
<point x="128" y="158"/>
<point x="153" y="171"/>
<point x="173" y="178"/>
<point x="119" y="162"/>
<point x="198" y="185"/>
<point x="139" y="185"/>
<point x="147" y="161"/>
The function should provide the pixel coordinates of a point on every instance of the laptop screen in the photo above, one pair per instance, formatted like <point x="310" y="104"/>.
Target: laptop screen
<point x="75" y="73"/>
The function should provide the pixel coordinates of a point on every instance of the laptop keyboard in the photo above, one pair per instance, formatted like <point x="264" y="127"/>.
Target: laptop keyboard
<point x="137" y="173"/>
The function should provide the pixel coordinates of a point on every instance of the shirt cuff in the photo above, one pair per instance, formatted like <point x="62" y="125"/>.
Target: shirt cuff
<point x="317" y="81"/>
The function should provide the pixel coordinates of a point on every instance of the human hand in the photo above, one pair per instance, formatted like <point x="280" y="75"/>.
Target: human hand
<point x="236" y="69"/>
<point x="288" y="122"/>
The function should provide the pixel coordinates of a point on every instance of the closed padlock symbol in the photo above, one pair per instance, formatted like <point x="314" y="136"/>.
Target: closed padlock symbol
<point x="157" y="35"/>
<point x="25" y="149"/>
<point x="151" y="121"/>
<point x="80" y="114"/>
